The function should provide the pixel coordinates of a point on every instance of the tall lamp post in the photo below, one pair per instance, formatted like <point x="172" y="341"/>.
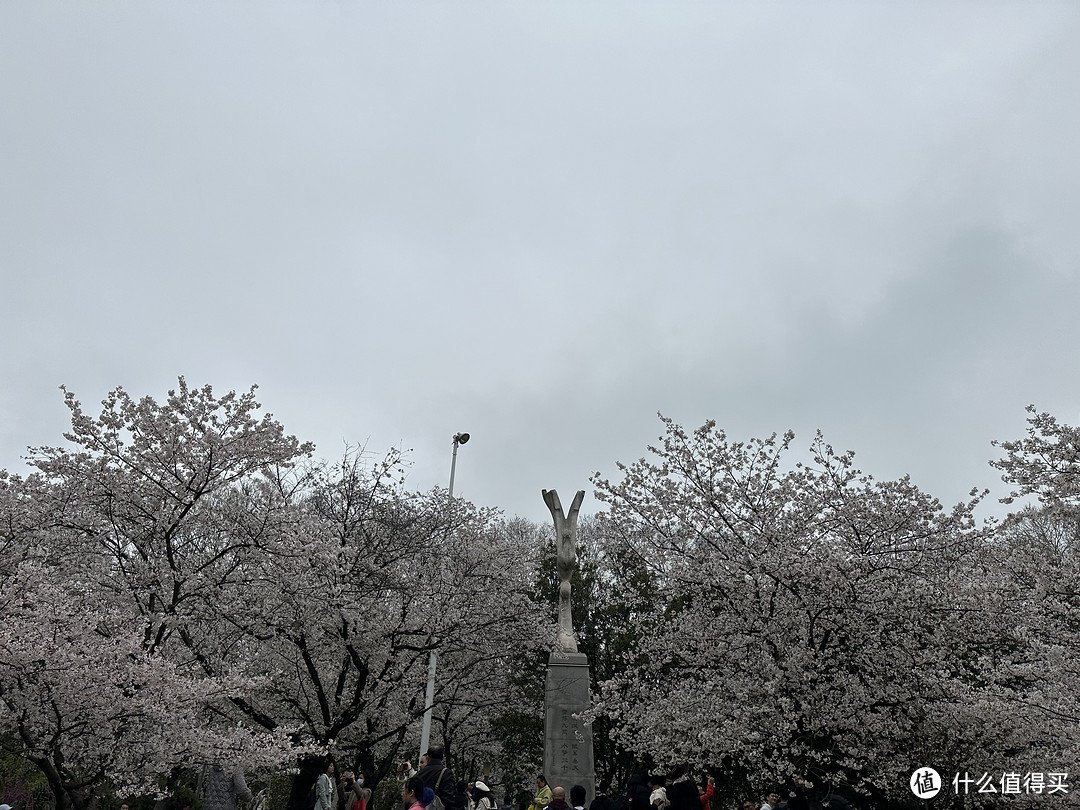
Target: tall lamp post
<point x="429" y="701"/>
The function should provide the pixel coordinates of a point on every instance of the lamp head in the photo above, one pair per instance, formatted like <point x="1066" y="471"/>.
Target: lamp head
<point x="461" y="438"/>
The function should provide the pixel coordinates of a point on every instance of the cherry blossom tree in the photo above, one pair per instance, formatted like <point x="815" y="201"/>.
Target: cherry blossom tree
<point x="807" y="618"/>
<point x="119" y="544"/>
<point x="1038" y="560"/>
<point x="384" y="577"/>
<point x="80" y="696"/>
<point x="292" y="604"/>
<point x="1038" y="552"/>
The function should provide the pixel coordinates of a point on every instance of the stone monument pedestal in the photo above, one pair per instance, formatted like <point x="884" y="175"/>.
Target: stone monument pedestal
<point x="568" y="743"/>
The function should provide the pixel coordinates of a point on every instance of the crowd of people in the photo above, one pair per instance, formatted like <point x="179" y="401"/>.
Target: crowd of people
<point x="434" y="787"/>
<point x="678" y="790"/>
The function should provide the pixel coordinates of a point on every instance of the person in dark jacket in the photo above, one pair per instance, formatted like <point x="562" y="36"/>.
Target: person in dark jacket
<point x="558" y="799"/>
<point x="603" y="800"/>
<point x="682" y="793"/>
<point x="797" y="790"/>
<point x="637" y="793"/>
<point x="440" y="779"/>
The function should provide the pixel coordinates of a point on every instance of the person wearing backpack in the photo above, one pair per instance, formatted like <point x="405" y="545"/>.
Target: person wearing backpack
<point x="441" y="780"/>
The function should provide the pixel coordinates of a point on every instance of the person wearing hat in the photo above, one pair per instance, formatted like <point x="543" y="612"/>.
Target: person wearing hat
<point x="484" y="799"/>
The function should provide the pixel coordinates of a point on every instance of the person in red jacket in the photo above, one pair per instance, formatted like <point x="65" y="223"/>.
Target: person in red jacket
<point x="706" y="794"/>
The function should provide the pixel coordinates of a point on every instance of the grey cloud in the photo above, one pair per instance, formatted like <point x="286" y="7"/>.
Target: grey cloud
<point x="543" y="224"/>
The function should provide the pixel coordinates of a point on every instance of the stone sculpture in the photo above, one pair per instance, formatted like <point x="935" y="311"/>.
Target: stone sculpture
<point x="568" y="742"/>
<point x="566" y="555"/>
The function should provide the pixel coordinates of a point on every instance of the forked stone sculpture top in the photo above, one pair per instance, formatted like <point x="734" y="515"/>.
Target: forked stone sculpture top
<point x="566" y="555"/>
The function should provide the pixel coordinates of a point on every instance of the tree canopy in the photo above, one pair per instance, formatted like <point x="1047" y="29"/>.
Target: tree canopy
<point x="183" y="583"/>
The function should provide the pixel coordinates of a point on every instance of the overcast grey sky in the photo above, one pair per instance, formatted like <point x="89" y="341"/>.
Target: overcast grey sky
<point x="542" y="223"/>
